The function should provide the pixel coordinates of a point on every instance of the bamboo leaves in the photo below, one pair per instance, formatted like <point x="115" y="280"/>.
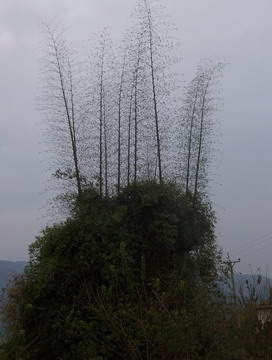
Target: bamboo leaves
<point x="113" y="119"/>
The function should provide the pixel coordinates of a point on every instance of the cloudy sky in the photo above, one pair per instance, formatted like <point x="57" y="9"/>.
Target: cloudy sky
<point x="238" y="32"/>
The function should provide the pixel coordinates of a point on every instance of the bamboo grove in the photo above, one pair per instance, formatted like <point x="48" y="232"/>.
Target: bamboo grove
<point x="115" y="115"/>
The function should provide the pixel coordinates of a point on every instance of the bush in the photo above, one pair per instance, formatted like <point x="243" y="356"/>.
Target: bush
<point x="126" y="277"/>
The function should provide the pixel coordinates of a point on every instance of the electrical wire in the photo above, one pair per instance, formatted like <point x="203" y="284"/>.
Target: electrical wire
<point x="260" y="240"/>
<point x="252" y="252"/>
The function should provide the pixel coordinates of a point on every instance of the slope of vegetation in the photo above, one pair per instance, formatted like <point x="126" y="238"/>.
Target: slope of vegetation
<point x="123" y="278"/>
<point x="132" y="276"/>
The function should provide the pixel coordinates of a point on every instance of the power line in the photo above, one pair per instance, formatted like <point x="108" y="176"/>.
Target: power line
<point x="249" y="247"/>
<point x="252" y="252"/>
<point x="252" y="243"/>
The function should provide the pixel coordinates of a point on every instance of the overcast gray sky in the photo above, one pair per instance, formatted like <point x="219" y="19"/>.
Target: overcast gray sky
<point x="237" y="31"/>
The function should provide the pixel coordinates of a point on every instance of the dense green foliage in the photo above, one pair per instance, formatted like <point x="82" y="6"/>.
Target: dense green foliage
<point x="129" y="277"/>
<point x="117" y="280"/>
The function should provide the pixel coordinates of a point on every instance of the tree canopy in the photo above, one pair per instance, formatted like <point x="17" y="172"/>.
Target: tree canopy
<point x="116" y="116"/>
<point x="107" y="281"/>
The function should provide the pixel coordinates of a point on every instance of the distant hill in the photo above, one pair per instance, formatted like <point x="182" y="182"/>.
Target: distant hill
<point x="7" y="269"/>
<point x="249" y="286"/>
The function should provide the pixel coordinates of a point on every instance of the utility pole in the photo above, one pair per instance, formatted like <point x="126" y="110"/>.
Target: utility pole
<point x="230" y="265"/>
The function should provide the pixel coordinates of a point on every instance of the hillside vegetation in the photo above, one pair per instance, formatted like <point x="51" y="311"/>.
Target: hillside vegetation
<point x="116" y="280"/>
<point x="131" y="276"/>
